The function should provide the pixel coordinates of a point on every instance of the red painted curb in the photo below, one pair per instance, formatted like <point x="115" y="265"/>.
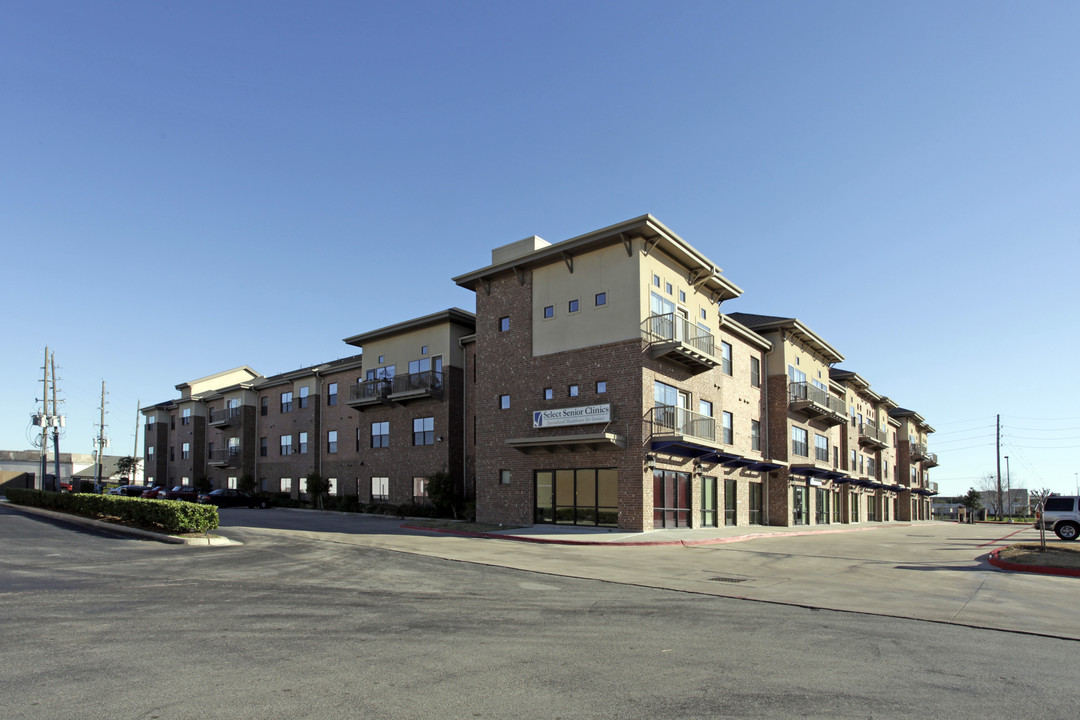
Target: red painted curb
<point x="1040" y="569"/>
<point x="637" y="543"/>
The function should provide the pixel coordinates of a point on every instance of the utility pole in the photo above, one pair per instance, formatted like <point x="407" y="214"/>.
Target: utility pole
<point x="999" y="462"/>
<point x="58" y="421"/>
<point x="40" y="484"/>
<point x="101" y="441"/>
<point x="135" y="450"/>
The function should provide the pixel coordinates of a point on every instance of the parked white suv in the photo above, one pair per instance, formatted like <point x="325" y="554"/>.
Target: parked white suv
<point x="1062" y="515"/>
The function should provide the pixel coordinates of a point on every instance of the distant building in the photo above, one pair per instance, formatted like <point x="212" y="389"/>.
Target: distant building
<point x="20" y="468"/>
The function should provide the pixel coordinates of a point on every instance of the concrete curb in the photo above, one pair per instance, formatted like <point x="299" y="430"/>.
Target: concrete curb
<point x="637" y="543"/>
<point x="996" y="561"/>
<point x="218" y="541"/>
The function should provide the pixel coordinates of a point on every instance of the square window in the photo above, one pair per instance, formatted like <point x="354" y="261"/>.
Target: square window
<point x="573" y="391"/>
<point x="549" y="311"/>
<point x="504" y="324"/>
<point x="504" y="402"/>
<point x="548" y="393"/>
<point x="601" y="299"/>
<point x="601" y="387"/>
<point x="573" y="306"/>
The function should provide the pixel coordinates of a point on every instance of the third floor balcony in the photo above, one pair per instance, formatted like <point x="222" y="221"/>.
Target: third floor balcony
<point x="816" y="403"/>
<point x="224" y="457"/>
<point x="872" y="436"/>
<point x="224" y="417"/>
<point x="680" y="423"/>
<point x="675" y="338"/>
<point x="919" y="451"/>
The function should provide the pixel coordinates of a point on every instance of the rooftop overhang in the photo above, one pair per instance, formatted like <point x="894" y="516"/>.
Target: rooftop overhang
<point x="733" y="327"/>
<point x="563" y="444"/>
<point x="454" y="316"/>
<point x="703" y="273"/>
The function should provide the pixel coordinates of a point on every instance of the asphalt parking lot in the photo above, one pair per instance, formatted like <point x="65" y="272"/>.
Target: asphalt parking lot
<point x="311" y="618"/>
<point x="928" y="571"/>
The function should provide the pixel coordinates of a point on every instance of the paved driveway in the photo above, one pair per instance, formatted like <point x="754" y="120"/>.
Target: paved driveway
<point x="929" y="571"/>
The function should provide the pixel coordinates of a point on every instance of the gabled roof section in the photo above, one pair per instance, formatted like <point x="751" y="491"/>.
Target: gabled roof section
<point x="736" y="328"/>
<point x="703" y="272"/>
<point x="789" y="327"/>
<point x="915" y="417"/>
<point x="455" y="316"/>
<point x="217" y="380"/>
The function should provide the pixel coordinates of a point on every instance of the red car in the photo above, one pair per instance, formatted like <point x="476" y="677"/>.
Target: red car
<point x="180" y="492"/>
<point x="154" y="492"/>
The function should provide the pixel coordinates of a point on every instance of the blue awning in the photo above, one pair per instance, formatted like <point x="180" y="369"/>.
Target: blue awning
<point x="682" y="448"/>
<point x="808" y="471"/>
<point x="765" y="467"/>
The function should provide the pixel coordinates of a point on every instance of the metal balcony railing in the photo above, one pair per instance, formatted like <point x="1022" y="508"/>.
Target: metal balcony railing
<point x="670" y="327"/>
<point x="872" y="435"/>
<point x="427" y="380"/>
<point x="811" y="399"/>
<point x="371" y="390"/>
<point x="225" y="415"/>
<point x="224" y="456"/>
<point x="672" y="420"/>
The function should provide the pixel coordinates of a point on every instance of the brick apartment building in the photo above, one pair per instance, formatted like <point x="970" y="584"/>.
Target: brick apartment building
<point x="597" y="384"/>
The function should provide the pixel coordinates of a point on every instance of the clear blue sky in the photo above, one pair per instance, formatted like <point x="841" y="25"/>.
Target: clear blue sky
<point x="188" y="187"/>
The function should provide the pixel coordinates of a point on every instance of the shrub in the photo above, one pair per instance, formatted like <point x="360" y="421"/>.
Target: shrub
<point x="170" y="516"/>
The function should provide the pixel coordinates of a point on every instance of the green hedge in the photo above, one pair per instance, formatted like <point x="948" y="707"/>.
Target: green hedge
<point x="170" y="516"/>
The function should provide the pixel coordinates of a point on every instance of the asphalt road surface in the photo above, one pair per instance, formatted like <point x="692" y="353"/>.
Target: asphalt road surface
<point x="94" y="625"/>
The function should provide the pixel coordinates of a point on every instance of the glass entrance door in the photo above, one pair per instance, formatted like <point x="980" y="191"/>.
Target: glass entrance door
<point x="708" y="502"/>
<point x="671" y="499"/>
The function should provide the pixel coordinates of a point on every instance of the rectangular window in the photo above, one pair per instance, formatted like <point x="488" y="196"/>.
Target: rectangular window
<point x="573" y="306"/>
<point x="682" y="296"/>
<point x="380" y="434"/>
<point x="286" y="444"/>
<point x="656" y="280"/>
<point x="729" y="433"/>
<point x="705" y="407"/>
<point x="172" y="453"/>
<point x="704" y="315"/>
<point x="549" y="311"/>
<point x="185" y="451"/>
<point x="264" y="406"/>
<point x="798" y="442"/>
<point x="755" y="372"/>
<point x="667" y="288"/>
<point x="504" y="402"/>
<point x="755" y="435"/>
<point x="303" y="443"/>
<point x="380" y="488"/>
<point x="231" y="483"/>
<point x="548" y="393"/>
<point x="150" y="452"/>
<point x="150" y="420"/>
<point x="423" y="349"/>
<point x="331" y="394"/>
<point x="504" y="323"/>
<point x="332" y="489"/>
<point x="172" y="422"/>
<point x="286" y="485"/>
<point x="286" y="402"/>
<point x="303" y="397"/>
<point x="601" y="299"/>
<point x="821" y="448"/>
<point x="331" y="441"/>
<point x="423" y="431"/>
<point x="263" y="448"/>
<point x="725" y="357"/>
<point x="419" y="490"/>
<point x="504" y="477"/>
<point x="185" y="416"/>
<point x="573" y="391"/>
<point x="601" y="387"/>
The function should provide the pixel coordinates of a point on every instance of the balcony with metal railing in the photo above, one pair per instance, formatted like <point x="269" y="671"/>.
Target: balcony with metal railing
<point x="224" y="457"/>
<point x="370" y="392"/>
<point x="414" y="386"/>
<point x="669" y="421"/>
<point x="675" y="338"/>
<point x="224" y="417"/>
<point x="872" y="436"/>
<point x="816" y="403"/>
<point x="919" y="451"/>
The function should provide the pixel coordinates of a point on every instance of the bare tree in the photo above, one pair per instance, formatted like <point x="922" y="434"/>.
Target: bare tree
<point x="1039" y="498"/>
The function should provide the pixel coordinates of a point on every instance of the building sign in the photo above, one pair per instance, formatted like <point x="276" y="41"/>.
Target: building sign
<point x="572" y="416"/>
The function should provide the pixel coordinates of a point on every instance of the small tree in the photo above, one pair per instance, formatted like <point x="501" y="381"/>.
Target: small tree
<point x="442" y="490"/>
<point x="246" y="483"/>
<point x="972" y="500"/>
<point x="127" y="467"/>
<point x="1039" y="496"/>
<point x="318" y="487"/>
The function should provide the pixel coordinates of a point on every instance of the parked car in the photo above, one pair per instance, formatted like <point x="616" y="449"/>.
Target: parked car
<point x="1061" y="514"/>
<point x="128" y="490"/>
<point x="180" y="492"/>
<point x="223" y="497"/>
<point x="154" y="492"/>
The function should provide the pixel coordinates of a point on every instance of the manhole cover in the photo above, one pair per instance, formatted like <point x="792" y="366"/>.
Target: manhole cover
<point x="728" y="580"/>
